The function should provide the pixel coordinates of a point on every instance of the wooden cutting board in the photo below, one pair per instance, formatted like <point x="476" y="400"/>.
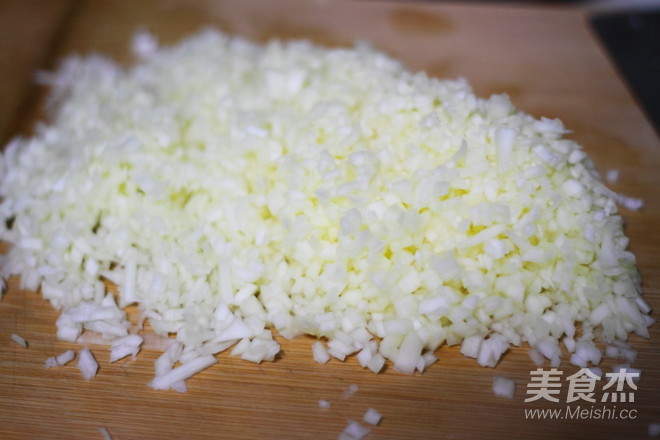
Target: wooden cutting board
<point x="545" y="58"/>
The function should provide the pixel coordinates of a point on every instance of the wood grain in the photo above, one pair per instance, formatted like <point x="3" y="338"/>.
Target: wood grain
<point x="549" y="63"/>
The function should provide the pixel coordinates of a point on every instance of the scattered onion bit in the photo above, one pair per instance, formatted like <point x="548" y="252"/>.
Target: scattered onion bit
<point x="324" y="404"/>
<point x="105" y="433"/>
<point x="612" y="175"/>
<point x="354" y="431"/>
<point x="372" y="417"/>
<point x="177" y="375"/>
<point x="60" y="360"/>
<point x="503" y="386"/>
<point x="20" y="340"/>
<point x="352" y="389"/>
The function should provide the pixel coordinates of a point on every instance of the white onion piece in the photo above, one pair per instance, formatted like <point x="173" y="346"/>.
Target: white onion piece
<point x="87" y="364"/>
<point x="105" y="433"/>
<point x="182" y="372"/>
<point x="408" y="354"/>
<point x="354" y="431"/>
<point x="60" y="360"/>
<point x="612" y="175"/>
<point x="503" y="386"/>
<point x="20" y="340"/>
<point x="320" y="352"/>
<point x="376" y="363"/>
<point x="122" y="347"/>
<point x="372" y="417"/>
<point x="352" y="389"/>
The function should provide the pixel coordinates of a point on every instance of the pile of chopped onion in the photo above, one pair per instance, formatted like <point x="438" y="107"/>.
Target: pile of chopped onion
<point x="231" y="189"/>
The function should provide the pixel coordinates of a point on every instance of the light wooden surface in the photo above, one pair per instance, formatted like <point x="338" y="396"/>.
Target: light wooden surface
<point x="545" y="58"/>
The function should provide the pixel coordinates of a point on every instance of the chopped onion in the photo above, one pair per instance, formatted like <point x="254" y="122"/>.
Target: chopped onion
<point x="354" y="431"/>
<point x="105" y="433"/>
<point x="320" y="352"/>
<point x="612" y="175"/>
<point x="230" y="189"/>
<point x="87" y="364"/>
<point x="20" y="340"/>
<point x="182" y="372"/>
<point x="352" y="389"/>
<point x="324" y="404"/>
<point x="503" y="386"/>
<point x="60" y="360"/>
<point x="122" y="347"/>
<point x="372" y="417"/>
